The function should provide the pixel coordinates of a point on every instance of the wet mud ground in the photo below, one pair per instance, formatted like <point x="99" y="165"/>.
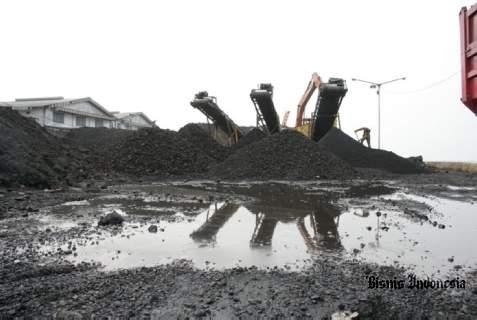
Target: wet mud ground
<point x="241" y="250"/>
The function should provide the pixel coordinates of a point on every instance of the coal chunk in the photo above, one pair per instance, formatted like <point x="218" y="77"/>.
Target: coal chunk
<point x="152" y="228"/>
<point x="110" y="219"/>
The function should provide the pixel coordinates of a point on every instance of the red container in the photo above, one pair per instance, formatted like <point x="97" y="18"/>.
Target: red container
<point x="468" y="39"/>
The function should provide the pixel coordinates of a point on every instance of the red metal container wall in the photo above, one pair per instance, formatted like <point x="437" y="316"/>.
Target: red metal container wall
<point x="468" y="36"/>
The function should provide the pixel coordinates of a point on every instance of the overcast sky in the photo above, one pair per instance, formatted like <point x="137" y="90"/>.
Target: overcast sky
<point x="153" y="56"/>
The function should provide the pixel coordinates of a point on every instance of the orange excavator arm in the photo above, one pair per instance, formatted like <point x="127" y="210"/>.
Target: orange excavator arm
<point x="310" y="89"/>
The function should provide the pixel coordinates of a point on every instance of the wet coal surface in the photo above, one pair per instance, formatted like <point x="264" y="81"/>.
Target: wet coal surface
<point x="227" y="235"/>
<point x="223" y="225"/>
<point x="238" y="250"/>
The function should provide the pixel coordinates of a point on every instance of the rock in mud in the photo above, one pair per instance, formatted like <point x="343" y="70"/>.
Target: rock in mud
<point x="111" y="219"/>
<point x="152" y="228"/>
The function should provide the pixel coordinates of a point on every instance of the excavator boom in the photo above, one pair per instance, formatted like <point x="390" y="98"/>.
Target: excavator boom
<point x="330" y="95"/>
<point x="310" y="89"/>
<point x="327" y="106"/>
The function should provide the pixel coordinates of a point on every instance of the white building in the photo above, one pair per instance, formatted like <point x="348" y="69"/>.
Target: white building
<point x="133" y="120"/>
<point x="58" y="112"/>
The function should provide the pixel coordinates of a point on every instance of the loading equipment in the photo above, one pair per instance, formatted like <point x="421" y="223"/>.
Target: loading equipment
<point x="330" y="96"/>
<point x="267" y="117"/>
<point x="327" y="106"/>
<point x="208" y="106"/>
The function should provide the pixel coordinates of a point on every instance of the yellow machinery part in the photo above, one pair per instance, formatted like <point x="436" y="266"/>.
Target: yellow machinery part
<point x="304" y="129"/>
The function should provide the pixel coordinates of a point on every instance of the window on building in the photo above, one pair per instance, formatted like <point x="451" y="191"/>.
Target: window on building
<point x="98" y="123"/>
<point x="58" y="117"/>
<point x="80" y="121"/>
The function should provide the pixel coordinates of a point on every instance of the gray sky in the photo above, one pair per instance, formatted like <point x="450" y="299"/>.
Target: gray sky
<point x="153" y="56"/>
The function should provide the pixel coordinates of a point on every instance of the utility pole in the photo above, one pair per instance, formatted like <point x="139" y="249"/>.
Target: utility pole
<point x="377" y="86"/>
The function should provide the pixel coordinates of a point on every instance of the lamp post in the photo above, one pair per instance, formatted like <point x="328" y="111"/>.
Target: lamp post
<point x="377" y="86"/>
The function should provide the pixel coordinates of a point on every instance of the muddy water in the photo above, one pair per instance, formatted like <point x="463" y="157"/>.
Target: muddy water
<point x="440" y="245"/>
<point x="229" y="247"/>
<point x="429" y="235"/>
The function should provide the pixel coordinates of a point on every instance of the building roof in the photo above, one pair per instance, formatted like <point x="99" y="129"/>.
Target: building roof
<point x="55" y="102"/>
<point x="122" y="115"/>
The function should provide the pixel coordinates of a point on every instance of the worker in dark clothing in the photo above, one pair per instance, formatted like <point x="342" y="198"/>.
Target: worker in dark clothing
<point x="365" y="137"/>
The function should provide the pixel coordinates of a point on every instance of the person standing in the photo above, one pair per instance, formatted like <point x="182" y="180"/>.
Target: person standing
<point x="365" y="137"/>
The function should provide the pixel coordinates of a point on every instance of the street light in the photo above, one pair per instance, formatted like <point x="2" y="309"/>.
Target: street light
<point x="377" y="86"/>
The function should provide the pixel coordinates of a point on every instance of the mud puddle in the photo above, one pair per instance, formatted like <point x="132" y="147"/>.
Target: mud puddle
<point x="213" y="239"/>
<point x="432" y="237"/>
<point x="428" y="235"/>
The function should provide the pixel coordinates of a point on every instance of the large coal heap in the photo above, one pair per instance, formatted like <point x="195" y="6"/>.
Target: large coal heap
<point x="158" y="152"/>
<point x="287" y="155"/>
<point x="251" y="136"/>
<point x="97" y="139"/>
<point x="30" y="156"/>
<point x="350" y="150"/>
<point x="202" y="140"/>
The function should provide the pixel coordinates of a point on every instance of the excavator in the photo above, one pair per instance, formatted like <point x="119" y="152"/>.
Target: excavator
<point x="330" y="96"/>
<point x="468" y="41"/>
<point x="208" y="106"/>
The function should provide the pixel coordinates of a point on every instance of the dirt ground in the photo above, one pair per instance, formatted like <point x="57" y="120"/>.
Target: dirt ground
<point x="44" y="242"/>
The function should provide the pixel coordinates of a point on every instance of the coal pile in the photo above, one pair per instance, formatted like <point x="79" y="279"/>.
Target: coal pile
<point x="350" y="150"/>
<point x="201" y="139"/>
<point x="158" y="152"/>
<point x="287" y="155"/>
<point x="32" y="157"/>
<point x="98" y="146"/>
<point x="251" y="136"/>
<point x="97" y="139"/>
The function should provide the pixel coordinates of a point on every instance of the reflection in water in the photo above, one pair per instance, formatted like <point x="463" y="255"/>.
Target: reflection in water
<point x="287" y="229"/>
<point x="365" y="214"/>
<point x="222" y="213"/>
<point x="323" y="220"/>
<point x="264" y="229"/>
<point x="324" y="223"/>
